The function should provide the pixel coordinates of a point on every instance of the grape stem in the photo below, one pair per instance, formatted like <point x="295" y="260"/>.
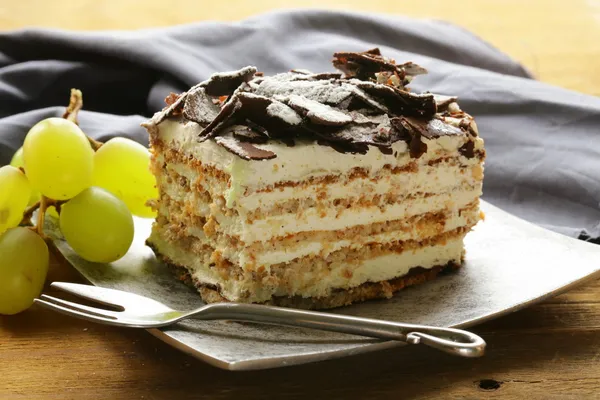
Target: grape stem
<point x="41" y="206"/>
<point x="72" y="112"/>
<point x="39" y="225"/>
<point x="95" y="144"/>
<point x="75" y="105"/>
<point x="29" y="213"/>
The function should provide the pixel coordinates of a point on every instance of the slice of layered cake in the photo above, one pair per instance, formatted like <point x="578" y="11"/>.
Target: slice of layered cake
<point x="313" y="190"/>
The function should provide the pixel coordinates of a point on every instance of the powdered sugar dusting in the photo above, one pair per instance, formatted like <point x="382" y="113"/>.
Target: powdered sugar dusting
<point x="318" y="112"/>
<point x="246" y="71"/>
<point x="321" y="91"/>
<point x="199" y="107"/>
<point x="283" y="112"/>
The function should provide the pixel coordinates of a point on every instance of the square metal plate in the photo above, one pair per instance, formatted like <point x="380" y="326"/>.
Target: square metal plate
<point x="510" y="264"/>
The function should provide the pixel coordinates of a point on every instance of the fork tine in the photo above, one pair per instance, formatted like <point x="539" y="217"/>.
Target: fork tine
<point x="74" y="313"/>
<point x="92" y="293"/>
<point x="112" y="297"/>
<point x="80" y="307"/>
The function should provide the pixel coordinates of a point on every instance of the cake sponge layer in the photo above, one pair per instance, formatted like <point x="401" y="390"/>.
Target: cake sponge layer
<point x="310" y="276"/>
<point x="338" y="298"/>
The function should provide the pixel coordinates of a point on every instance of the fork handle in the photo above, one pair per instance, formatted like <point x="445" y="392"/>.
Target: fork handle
<point x="453" y="341"/>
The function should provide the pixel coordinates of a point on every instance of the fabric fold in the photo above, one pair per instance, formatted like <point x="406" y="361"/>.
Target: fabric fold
<point x="543" y="142"/>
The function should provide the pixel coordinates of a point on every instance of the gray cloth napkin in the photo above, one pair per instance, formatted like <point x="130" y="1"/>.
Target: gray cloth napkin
<point x="543" y="142"/>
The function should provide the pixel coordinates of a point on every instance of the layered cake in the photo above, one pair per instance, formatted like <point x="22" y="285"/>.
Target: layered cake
<point x="313" y="190"/>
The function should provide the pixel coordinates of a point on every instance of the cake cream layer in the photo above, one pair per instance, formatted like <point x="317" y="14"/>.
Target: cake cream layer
<point x="315" y="219"/>
<point x="313" y="276"/>
<point x="265" y="208"/>
<point x="319" y="242"/>
<point x="297" y="163"/>
<point x="445" y="174"/>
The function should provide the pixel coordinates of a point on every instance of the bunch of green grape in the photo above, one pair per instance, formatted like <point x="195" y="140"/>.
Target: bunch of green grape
<point x="98" y="191"/>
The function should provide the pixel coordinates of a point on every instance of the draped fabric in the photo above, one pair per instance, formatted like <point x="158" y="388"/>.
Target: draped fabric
<point x="543" y="142"/>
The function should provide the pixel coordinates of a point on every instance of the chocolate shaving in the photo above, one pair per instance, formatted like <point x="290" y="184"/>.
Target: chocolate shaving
<point x="276" y="117"/>
<point x="244" y="150"/>
<point x="386" y="150"/>
<point x="272" y="115"/>
<point x="174" y="107"/>
<point x="318" y="113"/>
<point x="199" y="107"/>
<point x="225" y="83"/>
<point x="362" y="65"/>
<point x="344" y="147"/>
<point x="417" y="148"/>
<point x="442" y="102"/>
<point x="422" y="105"/>
<point x="301" y="71"/>
<point x="371" y="106"/>
<point x="400" y="102"/>
<point x="326" y="75"/>
<point x="359" y="95"/>
<point x="412" y="69"/>
<point x="374" y="51"/>
<point x="435" y="128"/>
<point x="360" y="118"/>
<point x="223" y="119"/>
<point x="366" y="65"/>
<point x="357" y="138"/>
<point x="283" y="112"/>
<point x="468" y="125"/>
<point x="468" y="149"/>
<point x="246" y="134"/>
<point x="257" y="128"/>
<point x="411" y="133"/>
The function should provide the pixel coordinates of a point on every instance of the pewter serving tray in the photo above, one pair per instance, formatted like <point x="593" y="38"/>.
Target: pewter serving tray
<point x="510" y="264"/>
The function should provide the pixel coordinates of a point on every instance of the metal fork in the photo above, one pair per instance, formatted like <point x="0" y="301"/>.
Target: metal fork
<point x="142" y="312"/>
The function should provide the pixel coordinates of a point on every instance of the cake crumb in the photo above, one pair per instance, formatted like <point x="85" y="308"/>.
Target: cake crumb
<point x="387" y="289"/>
<point x="477" y="172"/>
<point x="210" y="228"/>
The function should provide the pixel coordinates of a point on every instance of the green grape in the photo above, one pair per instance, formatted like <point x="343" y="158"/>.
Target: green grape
<point x="97" y="225"/>
<point x="59" y="159"/>
<point x="17" y="159"/>
<point x="17" y="162"/>
<point x="23" y="268"/>
<point x="14" y="195"/>
<point x="122" y="167"/>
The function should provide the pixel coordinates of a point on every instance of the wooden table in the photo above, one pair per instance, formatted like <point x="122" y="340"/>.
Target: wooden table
<point x="551" y="350"/>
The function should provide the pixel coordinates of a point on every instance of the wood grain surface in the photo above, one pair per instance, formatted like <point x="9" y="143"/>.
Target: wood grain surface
<point x="551" y="350"/>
